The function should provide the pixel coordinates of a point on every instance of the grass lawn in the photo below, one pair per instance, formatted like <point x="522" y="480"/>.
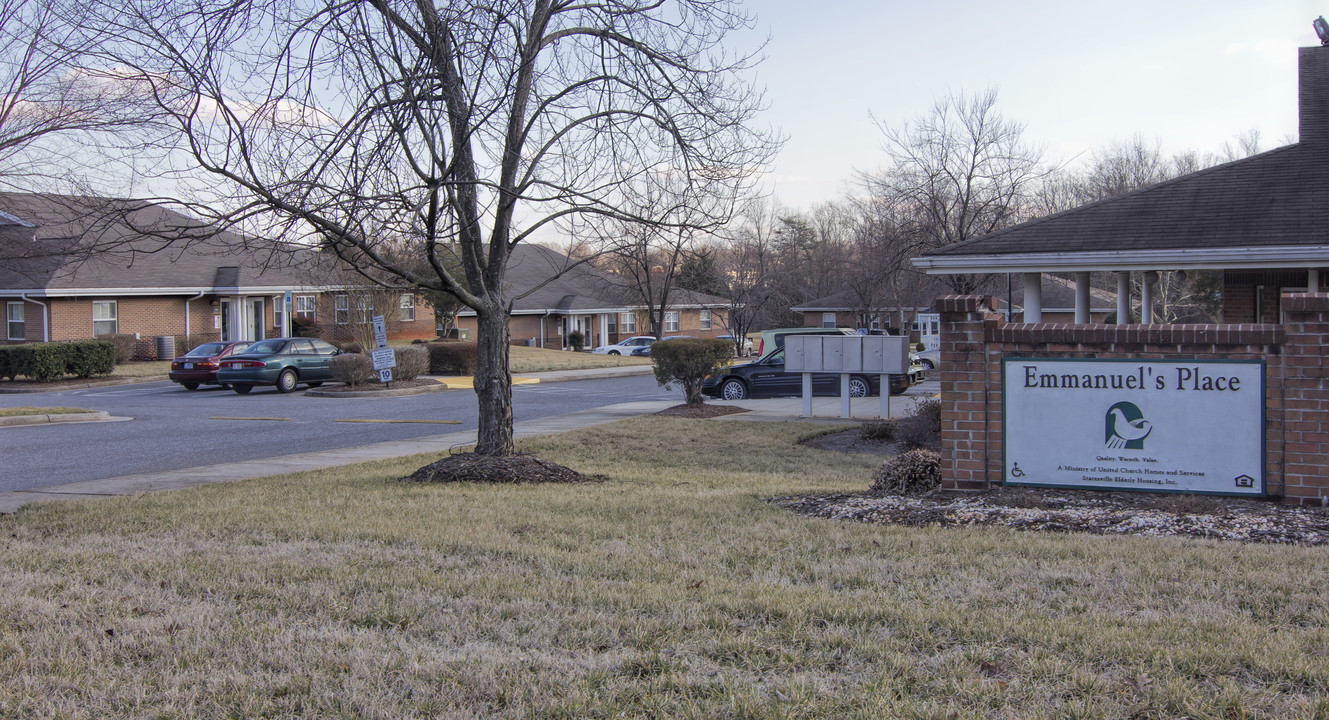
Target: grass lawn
<point x="529" y="359"/>
<point x="11" y="412"/>
<point x="667" y="589"/>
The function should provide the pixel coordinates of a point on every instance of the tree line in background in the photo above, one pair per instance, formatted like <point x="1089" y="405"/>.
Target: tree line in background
<point x="955" y="173"/>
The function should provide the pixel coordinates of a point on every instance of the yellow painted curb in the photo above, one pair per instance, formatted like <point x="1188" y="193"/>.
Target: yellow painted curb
<point x="467" y="383"/>
<point x="431" y="422"/>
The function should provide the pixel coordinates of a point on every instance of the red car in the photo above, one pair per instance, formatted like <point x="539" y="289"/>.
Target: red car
<point x="199" y="366"/>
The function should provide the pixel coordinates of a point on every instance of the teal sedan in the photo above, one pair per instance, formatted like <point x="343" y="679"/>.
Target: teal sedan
<point x="283" y="362"/>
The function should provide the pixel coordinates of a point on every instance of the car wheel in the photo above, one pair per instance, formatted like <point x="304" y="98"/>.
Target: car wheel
<point x="859" y="387"/>
<point x="734" y="389"/>
<point x="286" y="381"/>
<point x="189" y="385"/>
<point x="899" y="390"/>
<point x="241" y="389"/>
<point x="927" y="364"/>
<point x="613" y="352"/>
<point x="314" y="384"/>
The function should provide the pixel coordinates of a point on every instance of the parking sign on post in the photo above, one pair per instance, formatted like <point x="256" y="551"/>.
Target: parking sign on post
<point x="380" y="332"/>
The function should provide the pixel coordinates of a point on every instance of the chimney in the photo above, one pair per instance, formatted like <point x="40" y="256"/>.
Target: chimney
<point x="1313" y="94"/>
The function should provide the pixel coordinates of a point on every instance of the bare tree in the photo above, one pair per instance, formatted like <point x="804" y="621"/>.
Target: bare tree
<point x="463" y="125"/>
<point x="958" y="172"/>
<point x="55" y="111"/>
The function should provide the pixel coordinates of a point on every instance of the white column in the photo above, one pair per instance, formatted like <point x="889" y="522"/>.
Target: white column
<point x="1313" y="280"/>
<point x="1123" y="298"/>
<point x="1082" y="315"/>
<point x="1147" y="298"/>
<point x="1033" y="297"/>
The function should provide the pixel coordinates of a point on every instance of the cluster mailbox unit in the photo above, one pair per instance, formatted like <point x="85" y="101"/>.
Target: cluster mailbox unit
<point x="847" y="355"/>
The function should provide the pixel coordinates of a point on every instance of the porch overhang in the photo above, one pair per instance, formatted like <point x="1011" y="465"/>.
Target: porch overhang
<point x="1249" y="258"/>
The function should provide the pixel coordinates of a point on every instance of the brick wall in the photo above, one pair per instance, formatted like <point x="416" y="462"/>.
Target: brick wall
<point x="975" y="339"/>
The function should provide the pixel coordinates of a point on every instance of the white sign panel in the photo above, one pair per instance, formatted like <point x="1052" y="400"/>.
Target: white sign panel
<point x="380" y="332"/>
<point x="385" y="375"/>
<point x="384" y="359"/>
<point x="1153" y="425"/>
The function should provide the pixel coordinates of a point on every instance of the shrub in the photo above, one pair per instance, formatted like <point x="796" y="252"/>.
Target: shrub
<point x="352" y="347"/>
<point x="576" y="340"/>
<point x="881" y="430"/>
<point x="302" y="326"/>
<point x="124" y="348"/>
<point x="922" y="429"/>
<point x="354" y="369"/>
<point x="452" y="358"/>
<point x="185" y="343"/>
<point x="42" y="362"/>
<point x="6" y="365"/>
<point x="412" y="362"/>
<point x="688" y="362"/>
<point x="86" y="358"/>
<point x="911" y="473"/>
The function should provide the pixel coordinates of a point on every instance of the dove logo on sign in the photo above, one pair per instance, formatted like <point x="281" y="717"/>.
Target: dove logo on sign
<point x="1124" y="427"/>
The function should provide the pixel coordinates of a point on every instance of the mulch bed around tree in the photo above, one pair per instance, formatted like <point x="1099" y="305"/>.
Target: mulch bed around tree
<point x="511" y="469"/>
<point x="701" y="411"/>
<point x="1063" y="510"/>
<point x="370" y="387"/>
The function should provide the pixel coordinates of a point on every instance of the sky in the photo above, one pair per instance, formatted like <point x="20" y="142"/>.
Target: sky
<point x="1080" y="76"/>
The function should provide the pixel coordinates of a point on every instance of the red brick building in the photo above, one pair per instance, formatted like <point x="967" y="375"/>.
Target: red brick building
<point x="1261" y="222"/>
<point x="73" y="268"/>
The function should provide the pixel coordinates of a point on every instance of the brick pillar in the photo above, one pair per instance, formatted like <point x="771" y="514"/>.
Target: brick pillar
<point x="1306" y="399"/>
<point x="964" y="435"/>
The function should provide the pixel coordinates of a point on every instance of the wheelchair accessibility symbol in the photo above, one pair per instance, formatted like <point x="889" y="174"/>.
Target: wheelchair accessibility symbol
<point x="1016" y="471"/>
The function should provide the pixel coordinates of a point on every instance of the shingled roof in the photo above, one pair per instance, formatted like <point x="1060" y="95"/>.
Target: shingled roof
<point x="1269" y="210"/>
<point x="52" y="245"/>
<point x="579" y="288"/>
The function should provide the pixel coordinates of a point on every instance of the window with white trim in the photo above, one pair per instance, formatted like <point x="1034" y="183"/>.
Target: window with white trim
<point x="364" y="308"/>
<point x="304" y="306"/>
<point x="671" y="321"/>
<point x="627" y="323"/>
<point x="14" y="321"/>
<point x="828" y="320"/>
<point x="705" y="320"/>
<point x="341" y="309"/>
<point x="104" y="320"/>
<point x="407" y="307"/>
<point x="278" y="309"/>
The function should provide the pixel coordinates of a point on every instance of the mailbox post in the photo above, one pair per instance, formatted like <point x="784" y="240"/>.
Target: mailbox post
<point x="846" y="355"/>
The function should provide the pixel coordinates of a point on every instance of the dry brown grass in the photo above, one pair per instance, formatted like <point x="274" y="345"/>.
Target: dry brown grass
<point x="529" y="359"/>
<point x="669" y="589"/>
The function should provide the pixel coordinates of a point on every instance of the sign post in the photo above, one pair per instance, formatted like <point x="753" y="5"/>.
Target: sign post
<point x="384" y="358"/>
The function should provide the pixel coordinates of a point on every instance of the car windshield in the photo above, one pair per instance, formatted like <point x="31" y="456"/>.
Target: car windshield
<point x="206" y="350"/>
<point x="266" y="347"/>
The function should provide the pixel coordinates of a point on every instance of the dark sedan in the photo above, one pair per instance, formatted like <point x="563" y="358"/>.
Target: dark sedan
<point x="283" y="362"/>
<point x="199" y="366"/>
<point x="767" y="378"/>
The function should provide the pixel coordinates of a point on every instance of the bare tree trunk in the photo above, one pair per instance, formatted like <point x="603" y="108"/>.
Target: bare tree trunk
<point x="493" y="383"/>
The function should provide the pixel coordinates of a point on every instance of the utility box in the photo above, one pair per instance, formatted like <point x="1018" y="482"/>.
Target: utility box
<point x="870" y="355"/>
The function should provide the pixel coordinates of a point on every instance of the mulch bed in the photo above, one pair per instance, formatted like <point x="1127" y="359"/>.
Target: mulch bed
<point x="370" y="387"/>
<point x="511" y="469"/>
<point x="1057" y="510"/>
<point x="701" y="411"/>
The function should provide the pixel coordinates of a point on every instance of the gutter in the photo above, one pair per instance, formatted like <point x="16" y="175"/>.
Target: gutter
<point x="187" y="301"/>
<point x="1295" y="257"/>
<point x="46" y="333"/>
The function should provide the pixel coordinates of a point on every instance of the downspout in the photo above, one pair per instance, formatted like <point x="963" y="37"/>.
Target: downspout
<point x="46" y="335"/>
<point x="187" y="301"/>
<point x="542" y="327"/>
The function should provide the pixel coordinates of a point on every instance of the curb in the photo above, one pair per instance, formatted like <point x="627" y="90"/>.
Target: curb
<point x="21" y="420"/>
<point x="83" y="385"/>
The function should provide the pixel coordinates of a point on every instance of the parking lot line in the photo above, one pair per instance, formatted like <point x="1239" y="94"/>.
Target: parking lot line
<point x="274" y="419"/>
<point x="429" y="422"/>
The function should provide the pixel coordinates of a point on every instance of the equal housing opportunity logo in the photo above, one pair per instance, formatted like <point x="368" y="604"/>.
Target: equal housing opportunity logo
<point x="1124" y="427"/>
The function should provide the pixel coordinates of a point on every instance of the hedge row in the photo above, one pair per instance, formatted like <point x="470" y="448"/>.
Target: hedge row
<point x="452" y="358"/>
<point x="49" y="361"/>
